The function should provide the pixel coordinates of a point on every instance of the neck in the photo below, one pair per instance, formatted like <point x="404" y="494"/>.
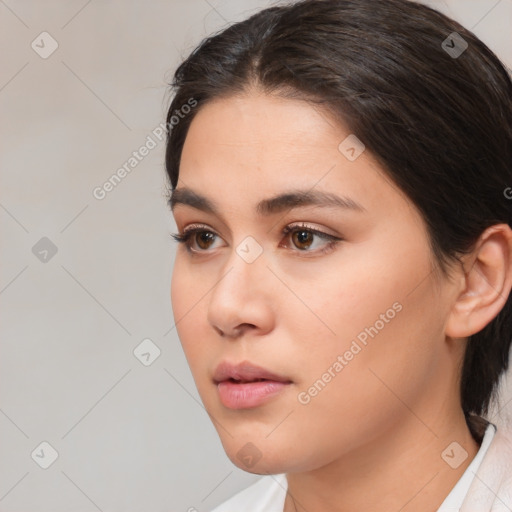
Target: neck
<point x="403" y="469"/>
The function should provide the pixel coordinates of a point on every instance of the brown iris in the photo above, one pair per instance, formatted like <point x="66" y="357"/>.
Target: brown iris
<point x="302" y="237"/>
<point x="204" y="237"/>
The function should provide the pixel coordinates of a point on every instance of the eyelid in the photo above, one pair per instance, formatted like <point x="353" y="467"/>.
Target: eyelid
<point x="196" y="226"/>
<point x="308" y="227"/>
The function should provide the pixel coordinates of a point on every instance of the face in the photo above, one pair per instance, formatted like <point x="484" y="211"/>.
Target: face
<point x="309" y="269"/>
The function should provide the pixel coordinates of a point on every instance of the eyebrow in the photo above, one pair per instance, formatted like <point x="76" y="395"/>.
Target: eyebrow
<point x="279" y="203"/>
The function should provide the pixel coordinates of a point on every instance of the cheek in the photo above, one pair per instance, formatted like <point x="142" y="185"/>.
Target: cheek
<point x="377" y="314"/>
<point x="378" y="289"/>
<point x="342" y="302"/>
<point x="347" y="404"/>
<point x="190" y="297"/>
<point x="179" y="294"/>
<point x="186" y="307"/>
<point x="187" y="289"/>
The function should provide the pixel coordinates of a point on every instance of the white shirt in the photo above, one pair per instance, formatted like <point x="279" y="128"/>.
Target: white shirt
<point x="453" y="501"/>
<point x="268" y="494"/>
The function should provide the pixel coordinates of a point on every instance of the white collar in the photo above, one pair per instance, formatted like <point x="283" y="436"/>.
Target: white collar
<point x="454" y="500"/>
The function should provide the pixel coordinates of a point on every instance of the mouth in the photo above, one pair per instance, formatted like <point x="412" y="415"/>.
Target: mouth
<point x="245" y="372"/>
<point x="245" y="385"/>
<point x="247" y="395"/>
<point x="244" y="381"/>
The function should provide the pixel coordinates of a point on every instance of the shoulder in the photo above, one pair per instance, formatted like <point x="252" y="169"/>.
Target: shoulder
<point x="265" y="495"/>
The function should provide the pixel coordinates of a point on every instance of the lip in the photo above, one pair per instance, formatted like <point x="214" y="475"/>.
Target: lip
<point x="246" y="372"/>
<point x="246" y="385"/>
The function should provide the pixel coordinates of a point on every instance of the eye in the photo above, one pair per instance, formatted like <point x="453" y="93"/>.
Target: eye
<point x="202" y="236"/>
<point x="306" y="239"/>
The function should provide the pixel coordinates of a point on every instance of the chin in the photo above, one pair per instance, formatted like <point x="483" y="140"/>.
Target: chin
<point x="264" y="466"/>
<point x="257" y="455"/>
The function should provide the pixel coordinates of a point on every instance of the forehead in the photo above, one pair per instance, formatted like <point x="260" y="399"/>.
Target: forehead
<point x="257" y="124"/>
<point x="241" y="149"/>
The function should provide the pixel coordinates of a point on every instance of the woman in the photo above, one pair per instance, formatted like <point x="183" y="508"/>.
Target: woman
<point x="340" y="181"/>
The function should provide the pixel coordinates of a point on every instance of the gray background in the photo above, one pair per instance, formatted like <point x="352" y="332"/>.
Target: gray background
<point x="129" y="437"/>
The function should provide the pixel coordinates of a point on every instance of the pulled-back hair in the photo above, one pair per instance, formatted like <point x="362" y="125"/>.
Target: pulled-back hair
<point x="439" y="122"/>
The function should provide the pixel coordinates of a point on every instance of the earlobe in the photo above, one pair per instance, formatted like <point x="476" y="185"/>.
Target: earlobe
<point x="487" y="282"/>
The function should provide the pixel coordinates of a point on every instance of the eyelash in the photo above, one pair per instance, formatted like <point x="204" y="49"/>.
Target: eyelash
<point x="287" y="230"/>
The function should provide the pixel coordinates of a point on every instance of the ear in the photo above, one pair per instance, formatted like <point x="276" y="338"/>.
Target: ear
<point x="485" y="285"/>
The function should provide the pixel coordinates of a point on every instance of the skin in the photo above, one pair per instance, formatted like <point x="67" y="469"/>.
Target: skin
<point x="372" y="439"/>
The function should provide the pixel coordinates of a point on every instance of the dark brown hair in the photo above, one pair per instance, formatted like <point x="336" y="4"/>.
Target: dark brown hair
<point x="440" y="124"/>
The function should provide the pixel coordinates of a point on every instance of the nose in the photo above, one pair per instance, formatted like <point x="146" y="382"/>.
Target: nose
<point x="241" y="300"/>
